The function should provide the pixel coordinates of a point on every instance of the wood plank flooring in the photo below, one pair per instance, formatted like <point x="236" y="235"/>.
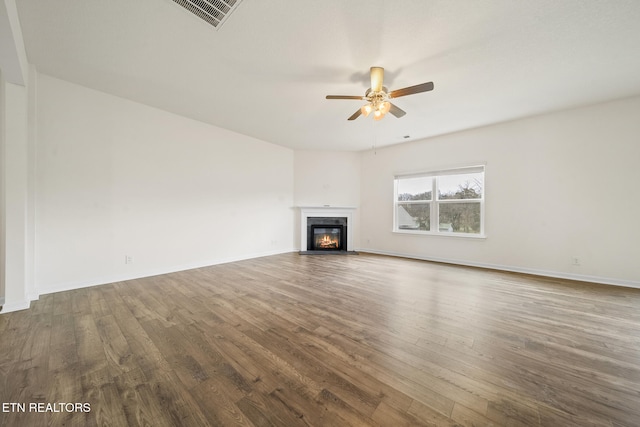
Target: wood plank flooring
<point x="293" y="340"/>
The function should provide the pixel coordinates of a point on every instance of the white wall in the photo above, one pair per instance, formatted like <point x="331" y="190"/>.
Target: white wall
<point x="3" y="206"/>
<point x="15" y="196"/>
<point x="13" y="57"/>
<point x="327" y="178"/>
<point x="16" y="210"/>
<point x="558" y="186"/>
<point x="118" y="178"/>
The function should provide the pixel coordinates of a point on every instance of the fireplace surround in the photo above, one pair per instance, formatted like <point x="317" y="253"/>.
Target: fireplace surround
<point x="326" y="229"/>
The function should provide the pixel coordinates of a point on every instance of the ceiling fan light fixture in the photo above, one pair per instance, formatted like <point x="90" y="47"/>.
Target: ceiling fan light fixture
<point x="378" y="96"/>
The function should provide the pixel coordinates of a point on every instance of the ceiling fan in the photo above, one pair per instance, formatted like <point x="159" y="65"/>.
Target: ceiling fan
<point x="378" y="96"/>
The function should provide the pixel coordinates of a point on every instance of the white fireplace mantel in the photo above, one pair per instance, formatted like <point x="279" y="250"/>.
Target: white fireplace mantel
<point x="329" y="212"/>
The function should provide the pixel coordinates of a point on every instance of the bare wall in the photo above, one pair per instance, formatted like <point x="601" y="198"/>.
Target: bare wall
<point x="116" y="178"/>
<point x="558" y="186"/>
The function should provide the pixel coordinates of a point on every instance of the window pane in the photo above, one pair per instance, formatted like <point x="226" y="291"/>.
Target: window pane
<point x="463" y="186"/>
<point x="415" y="188"/>
<point x="413" y="216"/>
<point x="459" y="217"/>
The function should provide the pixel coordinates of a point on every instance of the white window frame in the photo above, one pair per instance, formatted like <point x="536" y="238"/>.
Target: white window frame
<point x="435" y="202"/>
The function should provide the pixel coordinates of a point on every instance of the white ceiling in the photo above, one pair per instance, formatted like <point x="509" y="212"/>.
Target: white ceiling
<point x="266" y="72"/>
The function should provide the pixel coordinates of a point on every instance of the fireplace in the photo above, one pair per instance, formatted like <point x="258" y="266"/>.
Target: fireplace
<point x="327" y="230"/>
<point x="327" y="234"/>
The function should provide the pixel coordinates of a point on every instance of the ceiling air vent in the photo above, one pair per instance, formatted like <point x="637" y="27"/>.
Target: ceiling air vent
<point x="215" y="12"/>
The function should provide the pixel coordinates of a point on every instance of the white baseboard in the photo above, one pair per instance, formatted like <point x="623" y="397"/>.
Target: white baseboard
<point x="103" y="280"/>
<point x="536" y="272"/>
<point x="15" y="306"/>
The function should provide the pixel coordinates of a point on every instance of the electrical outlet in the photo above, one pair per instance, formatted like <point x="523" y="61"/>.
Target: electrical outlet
<point x="128" y="259"/>
<point x="575" y="261"/>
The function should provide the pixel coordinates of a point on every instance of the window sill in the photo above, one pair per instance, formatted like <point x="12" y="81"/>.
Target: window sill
<point x="442" y="234"/>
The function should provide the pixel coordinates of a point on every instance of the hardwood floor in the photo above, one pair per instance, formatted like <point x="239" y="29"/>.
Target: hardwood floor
<point x="293" y="340"/>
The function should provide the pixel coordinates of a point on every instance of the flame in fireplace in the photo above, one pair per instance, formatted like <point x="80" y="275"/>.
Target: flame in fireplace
<point x="326" y="241"/>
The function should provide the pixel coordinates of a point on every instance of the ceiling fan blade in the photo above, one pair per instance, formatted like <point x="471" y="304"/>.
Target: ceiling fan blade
<point x="355" y="115"/>
<point x="396" y="111"/>
<point x="377" y="76"/>
<point x="424" y="87"/>
<point x="345" y="97"/>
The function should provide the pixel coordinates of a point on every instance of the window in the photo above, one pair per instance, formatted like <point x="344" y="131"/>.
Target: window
<point x="449" y="202"/>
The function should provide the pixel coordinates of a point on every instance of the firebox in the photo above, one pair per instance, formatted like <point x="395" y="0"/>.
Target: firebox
<point x="327" y="234"/>
<point x="326" y="238"/>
